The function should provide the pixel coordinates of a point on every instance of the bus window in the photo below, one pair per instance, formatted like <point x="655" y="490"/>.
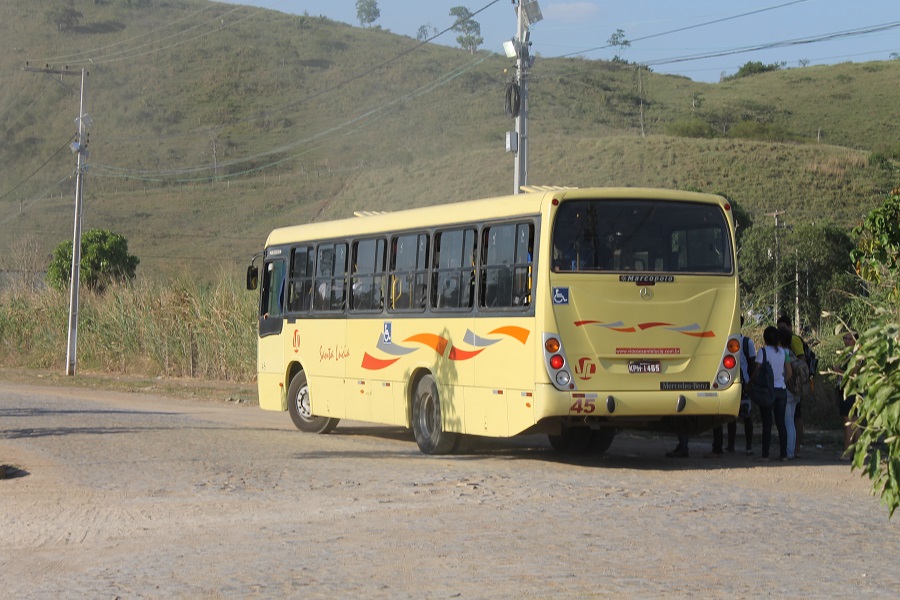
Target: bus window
<point x="271" y="299"/>
<point x="330" y="287"/>
<point x="641" y="235"/>
<point x="506" y="257"/>
<point x="409" y="259"/>
<point x="367" y="281"/>
<point x="453" y="273"/>
<point x="301" y="280"/>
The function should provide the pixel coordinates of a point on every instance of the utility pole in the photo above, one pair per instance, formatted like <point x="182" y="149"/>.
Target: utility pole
<point x="79" y="147"/>
<point x="527" y="13"/>
<point x="776" y="214"/>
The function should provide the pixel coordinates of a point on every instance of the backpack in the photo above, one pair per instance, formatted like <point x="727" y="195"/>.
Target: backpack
<point x="800" y="383"/>
<point x="812" y="361"/>
<point x="745" y="348"/>
<point x="762" y="387"/>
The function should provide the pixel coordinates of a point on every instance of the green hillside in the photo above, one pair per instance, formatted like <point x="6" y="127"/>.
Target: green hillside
<point x="214" y="123"/>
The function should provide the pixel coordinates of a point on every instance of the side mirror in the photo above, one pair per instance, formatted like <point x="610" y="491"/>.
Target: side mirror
<point x="252" y="277"/>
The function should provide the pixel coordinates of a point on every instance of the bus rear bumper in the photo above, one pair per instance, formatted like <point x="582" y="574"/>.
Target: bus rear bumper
<point x="691" y="410"/>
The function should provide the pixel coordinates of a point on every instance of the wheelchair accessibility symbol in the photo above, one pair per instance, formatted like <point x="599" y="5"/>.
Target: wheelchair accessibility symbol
<point x="560" y="295"/>
<point x="386" y="336"/>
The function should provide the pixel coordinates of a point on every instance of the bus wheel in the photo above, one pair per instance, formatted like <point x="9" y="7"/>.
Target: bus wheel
<point x="426" y="420"/>
<point x="602" y="439"/>
<point x="299" y="407"/>
<point x="572" y="440"/>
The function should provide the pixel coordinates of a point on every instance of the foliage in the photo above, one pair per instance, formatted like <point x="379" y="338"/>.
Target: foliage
<point x="877" y="386"/>
<point x="619" y="42"/>
<point x="876" y="380"/>
<point x="877" y="255"/>
<point x="813" y="256"/>
<point x="691" y="128"/>
<point x="180" y="329"/>
<point x="104" y="260"/>
<point x="367" y="12"/>
<point x="468" y="27"/>
<point x="755" y="68"/>
<point x="64" y="18"/>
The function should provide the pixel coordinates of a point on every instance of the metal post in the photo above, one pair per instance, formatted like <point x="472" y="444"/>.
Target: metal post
<point x="71" y="349"/>
<point x="521" y="169"/>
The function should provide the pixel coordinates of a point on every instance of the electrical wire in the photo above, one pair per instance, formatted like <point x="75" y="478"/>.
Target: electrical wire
<point x="24" y="181"/>
<point x="688" y="28"/>
<point x="513" y="99"/>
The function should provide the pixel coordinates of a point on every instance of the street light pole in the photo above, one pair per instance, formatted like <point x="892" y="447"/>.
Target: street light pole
<point x="79" y="147"/>
<point x="80" y="150"/>
<point x="527" y="13"/>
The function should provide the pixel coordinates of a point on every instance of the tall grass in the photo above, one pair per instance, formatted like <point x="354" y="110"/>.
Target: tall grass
<point x="178" y="329"/>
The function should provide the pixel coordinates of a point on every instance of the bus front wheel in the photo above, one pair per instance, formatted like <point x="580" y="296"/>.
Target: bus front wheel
<point x="301" y="411"/>
<point x="426" y="420"/>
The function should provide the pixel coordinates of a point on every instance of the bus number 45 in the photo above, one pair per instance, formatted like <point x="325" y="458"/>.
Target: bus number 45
<point x="584" y="405"/>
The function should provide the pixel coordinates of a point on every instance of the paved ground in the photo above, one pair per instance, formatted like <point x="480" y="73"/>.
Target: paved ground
<point x="123" y="495"/>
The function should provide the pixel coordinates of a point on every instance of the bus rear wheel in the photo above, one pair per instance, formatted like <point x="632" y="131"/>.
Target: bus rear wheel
<point x="581" y="440"/>
<point x="426" y="420"/>
<point x="301" y="411"/>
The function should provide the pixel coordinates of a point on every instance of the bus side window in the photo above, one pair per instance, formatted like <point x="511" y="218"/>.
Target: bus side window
<point x="408" y="275"/>
<point x="330" y="281"/>
<point x="367" y="281"/>
<point x="300" y="286"/>
<point x="506" y="257"/>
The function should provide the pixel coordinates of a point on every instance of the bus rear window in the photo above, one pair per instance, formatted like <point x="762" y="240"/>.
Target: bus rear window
<point x="649" y="236"/>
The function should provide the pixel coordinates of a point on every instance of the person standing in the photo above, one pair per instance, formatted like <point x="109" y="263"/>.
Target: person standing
<point x="784" y="339"/>
<point x="773" y="354"/>
<point x="845" y="405"/>
<point x="748" y="352"/>
<point x="796" y="345"/>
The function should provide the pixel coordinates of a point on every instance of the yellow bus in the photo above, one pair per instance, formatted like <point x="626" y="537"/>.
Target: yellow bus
<point x="562" y="311"/>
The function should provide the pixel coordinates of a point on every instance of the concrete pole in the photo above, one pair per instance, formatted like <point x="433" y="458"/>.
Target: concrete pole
<point x="71" y="349"/>
<point x="521" y="171"/>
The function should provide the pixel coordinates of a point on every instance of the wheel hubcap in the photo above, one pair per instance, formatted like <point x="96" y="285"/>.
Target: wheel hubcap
<point x="303" y="403"/>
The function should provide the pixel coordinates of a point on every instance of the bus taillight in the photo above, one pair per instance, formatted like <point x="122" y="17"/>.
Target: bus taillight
<point x="729" y="362"/>
<point x="556" y="363"/>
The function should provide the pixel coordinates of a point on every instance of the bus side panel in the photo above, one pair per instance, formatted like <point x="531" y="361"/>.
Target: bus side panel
<point x="504" y="368"/>
<point x="271" y="373"/>
<point x="372" y="386"/>
<point x="322" y="350"/>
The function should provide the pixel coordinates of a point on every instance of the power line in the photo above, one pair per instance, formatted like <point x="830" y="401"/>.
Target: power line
<point x="689" y="27"/>
<point x="24" y="181"/>
<point x="780" y="44"/>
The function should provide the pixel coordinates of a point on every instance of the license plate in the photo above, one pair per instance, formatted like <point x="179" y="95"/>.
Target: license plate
<point x="644" y="366"/>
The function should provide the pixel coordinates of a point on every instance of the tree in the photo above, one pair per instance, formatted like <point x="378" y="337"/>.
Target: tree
<point x="813" y="256"/>
<point x="104" y="260"/>
<point x="618" y="41"/>
<point x="425" y="32"/>
<point x="876" y="380"/>
<point x="468" y="27"/>
<point x="367" y="12"/>
<point x="64" y="18"/>
<point x="755" y="68"/>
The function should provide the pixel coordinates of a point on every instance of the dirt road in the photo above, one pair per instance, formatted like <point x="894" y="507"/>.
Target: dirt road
<point x="134" y="496"/>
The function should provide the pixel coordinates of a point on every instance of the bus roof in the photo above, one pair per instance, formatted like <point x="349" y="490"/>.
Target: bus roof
<point x="529" y="203"/>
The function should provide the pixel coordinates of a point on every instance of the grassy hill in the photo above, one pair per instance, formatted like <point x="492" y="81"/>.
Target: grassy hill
<point x="214" y="123"/>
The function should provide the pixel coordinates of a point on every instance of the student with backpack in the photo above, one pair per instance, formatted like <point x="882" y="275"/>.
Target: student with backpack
<point x="772" y="366"/>
<point x="800" y="350"/>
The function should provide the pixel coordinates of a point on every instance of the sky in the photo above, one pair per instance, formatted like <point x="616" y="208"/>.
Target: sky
<point x="666" y="35"/>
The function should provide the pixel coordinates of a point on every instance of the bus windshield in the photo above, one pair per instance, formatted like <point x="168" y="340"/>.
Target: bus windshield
<point x="641" y="236"/>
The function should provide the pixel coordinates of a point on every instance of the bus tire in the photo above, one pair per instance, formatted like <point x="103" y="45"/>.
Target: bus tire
<point x="571" y="440"/>
<point x="426" y="420"/>
<point x="602" y="439"/>
<point x="300" y="410"/>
